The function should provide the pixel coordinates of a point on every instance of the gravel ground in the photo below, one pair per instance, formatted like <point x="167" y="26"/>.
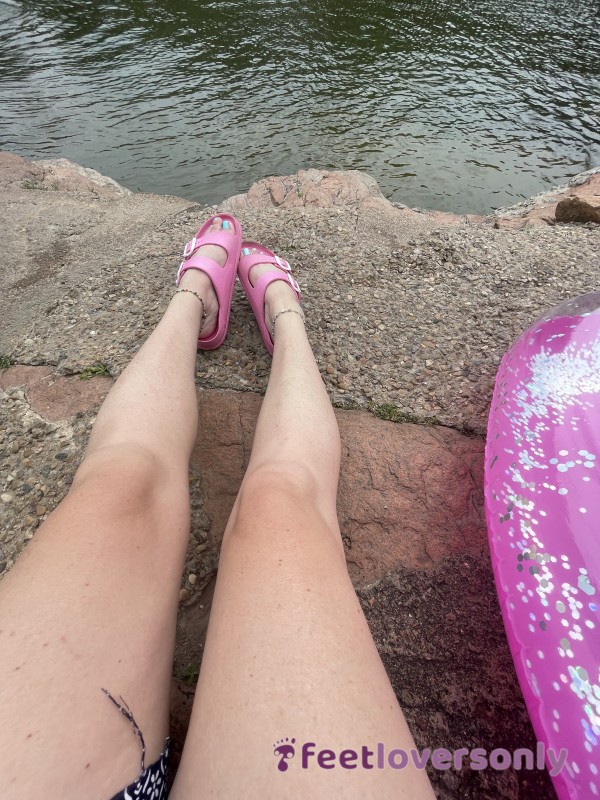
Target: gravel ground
<point x="38" y="460"/>
<point x="419" y="323"/>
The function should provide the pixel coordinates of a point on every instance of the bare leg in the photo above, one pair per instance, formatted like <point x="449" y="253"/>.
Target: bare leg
<point x="93" y="600"/>
<point x="288" y="652"/>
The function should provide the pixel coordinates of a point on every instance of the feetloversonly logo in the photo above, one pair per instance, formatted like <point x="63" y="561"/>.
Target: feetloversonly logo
<point x="380" y="757"/>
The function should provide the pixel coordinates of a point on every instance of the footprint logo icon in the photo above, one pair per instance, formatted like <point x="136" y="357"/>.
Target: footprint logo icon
<point x="285" y="749"/>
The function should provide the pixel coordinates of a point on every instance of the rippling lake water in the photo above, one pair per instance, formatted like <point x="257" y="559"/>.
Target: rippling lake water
<point x="463" y="106"/>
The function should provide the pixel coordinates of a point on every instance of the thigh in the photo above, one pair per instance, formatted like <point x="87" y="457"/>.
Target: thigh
<point x="90" y="605"/>
<point x="289" y="657"/>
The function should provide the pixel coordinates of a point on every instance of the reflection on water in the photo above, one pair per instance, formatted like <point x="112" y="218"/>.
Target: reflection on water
<point x="454" y="106"/>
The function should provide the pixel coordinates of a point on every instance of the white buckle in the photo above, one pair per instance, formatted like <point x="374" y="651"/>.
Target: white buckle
<point x="188" y="252"/>
<point x="294" y="283"/>
<point x="281" y="262"/>
<point x="179" y="273"/>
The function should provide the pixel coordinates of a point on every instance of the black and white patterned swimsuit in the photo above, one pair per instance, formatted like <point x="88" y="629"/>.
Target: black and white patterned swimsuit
<point x="152" y="783"/>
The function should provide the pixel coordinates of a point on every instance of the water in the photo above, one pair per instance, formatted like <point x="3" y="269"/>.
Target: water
<point x="456" y="106"/>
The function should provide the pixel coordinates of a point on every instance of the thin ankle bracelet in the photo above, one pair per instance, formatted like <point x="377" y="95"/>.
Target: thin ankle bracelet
<point x="285" y="311"/>
<point x="191" y="291"/>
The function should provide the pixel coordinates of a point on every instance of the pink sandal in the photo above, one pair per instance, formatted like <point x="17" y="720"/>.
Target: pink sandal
<point x="223" y="278"/>
<point x="256" y="294"/>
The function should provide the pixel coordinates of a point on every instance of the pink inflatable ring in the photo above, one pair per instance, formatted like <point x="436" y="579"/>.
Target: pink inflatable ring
<point x="542" y="494"/>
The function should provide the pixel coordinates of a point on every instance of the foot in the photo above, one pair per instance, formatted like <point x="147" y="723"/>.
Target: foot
<point x="199" y="282"/>
<point x="279" y="294"/>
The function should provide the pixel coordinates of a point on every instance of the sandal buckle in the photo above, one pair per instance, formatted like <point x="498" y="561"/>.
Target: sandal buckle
<point x="189" y="248"/>
<point x="294" y="283"/>
<point x="281" y="262"/>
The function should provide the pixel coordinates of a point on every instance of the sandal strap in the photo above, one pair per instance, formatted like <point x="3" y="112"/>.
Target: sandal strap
<point x="270" y="277"/>
<point x="219" y="238"/>
<point x="203" y="263"/>
<point x="265" y="258"/>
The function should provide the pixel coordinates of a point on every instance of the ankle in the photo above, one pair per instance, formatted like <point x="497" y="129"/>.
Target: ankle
<point x="195" y="282"/>
<point x="296" y="311"/>
<point x="278" y="297"/>
<point x="203" y="315"/>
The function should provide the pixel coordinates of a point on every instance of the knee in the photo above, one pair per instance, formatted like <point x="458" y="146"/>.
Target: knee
<point x="283" y="497"/>
<point x="285" y="482"/>
<point x="125" y="478"/>
<point x="283" y="491"/>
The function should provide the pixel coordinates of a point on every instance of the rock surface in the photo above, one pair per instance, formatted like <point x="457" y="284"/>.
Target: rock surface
<point x="579" y="209"/>
<point x="542" y="209"/>
<point x="56" y="174"/>
<point x="414" y="315"/>
<point x="350" y="189"/>
<point x="53" y="397"/>
<point x="409" y="313"/>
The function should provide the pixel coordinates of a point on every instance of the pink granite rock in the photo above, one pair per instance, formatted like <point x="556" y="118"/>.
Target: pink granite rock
<point x="56" y="397"/>
<point x="57" y="174"/>
<point x="409" y="494"/>
<point x="341" y="188"/>
<point x="16" y="171"/>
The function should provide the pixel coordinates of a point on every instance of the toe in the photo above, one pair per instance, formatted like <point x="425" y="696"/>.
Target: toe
<point x="215" y="251"/>
<point x="220" y="224"/>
